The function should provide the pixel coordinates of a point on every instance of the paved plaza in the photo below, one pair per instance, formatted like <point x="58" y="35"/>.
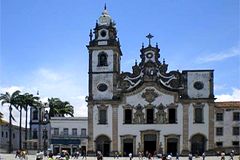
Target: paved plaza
<point x="33" y="157"/>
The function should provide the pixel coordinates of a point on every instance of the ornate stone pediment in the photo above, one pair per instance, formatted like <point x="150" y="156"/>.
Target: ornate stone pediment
<point x="150" y="95"/>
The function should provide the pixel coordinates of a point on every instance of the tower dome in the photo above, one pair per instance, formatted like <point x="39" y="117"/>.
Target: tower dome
<point x="105" y="18"/>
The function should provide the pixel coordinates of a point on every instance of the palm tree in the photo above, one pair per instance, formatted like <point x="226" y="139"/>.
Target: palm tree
<point x="9" y="99"/>
<point x="59" y="108"/>
<point x="20" y="103"/>
<point x="32" y="101"/>
<point x="66" y="109"/>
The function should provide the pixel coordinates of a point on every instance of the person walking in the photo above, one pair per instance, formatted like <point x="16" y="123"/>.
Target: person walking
<point x="203" y="155"/>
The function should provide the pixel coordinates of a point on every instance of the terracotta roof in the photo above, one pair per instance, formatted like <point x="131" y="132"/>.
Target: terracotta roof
<point x="228" y="104"/>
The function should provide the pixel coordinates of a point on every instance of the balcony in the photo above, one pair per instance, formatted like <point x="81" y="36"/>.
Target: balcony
<point x="68" y="136"/>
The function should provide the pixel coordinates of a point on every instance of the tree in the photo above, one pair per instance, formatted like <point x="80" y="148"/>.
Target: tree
<point x="9" y="99"/>
<point x="59" y="108"/>
<point x="20" y="103"/>
<point x="32" y="101"/>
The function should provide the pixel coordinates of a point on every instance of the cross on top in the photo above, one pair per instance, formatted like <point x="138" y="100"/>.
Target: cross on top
<point x="149" y="36"/>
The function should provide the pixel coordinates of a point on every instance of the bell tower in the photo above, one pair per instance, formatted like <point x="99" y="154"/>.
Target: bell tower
<point x="104" y="59"/>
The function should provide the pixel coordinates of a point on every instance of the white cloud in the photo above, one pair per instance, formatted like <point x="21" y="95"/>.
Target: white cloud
<point x="234" y="96"/>
<point x="50" y="83"/>
<point x="235" y="51"/>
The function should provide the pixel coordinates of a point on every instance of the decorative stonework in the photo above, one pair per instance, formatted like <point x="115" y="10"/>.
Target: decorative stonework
<point x="161" y="116"/>
<point x="139" y="115"/>
<point x="150" y="95"/>
<point x="102" y="106"/>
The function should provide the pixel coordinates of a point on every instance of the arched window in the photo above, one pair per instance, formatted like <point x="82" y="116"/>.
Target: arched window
<point x="102" y="59"/>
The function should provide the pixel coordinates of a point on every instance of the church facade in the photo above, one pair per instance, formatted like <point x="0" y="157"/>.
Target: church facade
<point x="149" y="109"/>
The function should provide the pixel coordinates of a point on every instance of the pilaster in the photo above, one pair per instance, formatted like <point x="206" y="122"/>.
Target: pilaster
<point x="114" y="127"/>
<point x="211" y="127"/>
<point x="185" y="129"/>
<point x="90" y="129"/>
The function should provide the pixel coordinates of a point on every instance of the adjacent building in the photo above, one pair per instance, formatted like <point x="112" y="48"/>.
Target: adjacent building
<point x="4" y="137"/>
<point x="68" y="133"/>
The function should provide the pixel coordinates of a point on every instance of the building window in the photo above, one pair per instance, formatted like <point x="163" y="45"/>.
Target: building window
<point x="198" y="115"/>
<point x="236" y="116"/>
<point x="35" y="134"/>
<point x="6" y="134"/>
<point x="219" y="131"/>
<point x="65" y="131"/>
<point x="45" y="134"/>
<point x="2" y="133"/>
<point x="13" y="135"/>
<point x="74" y="131"/>
<point x="219" y="144"/>
<point x="172" y="115"/>
<point x="236" y="131"/>
<point x="219" y="116"/>
<point x="128" y="116"/>
<point x="35" y="115"/>
<point x="102" y="116"/>
<point x="150" y="116"/>
<point x="83" y="132"/>
<point x="55" y="131"/>
<point x="102" y="59"/>
<point x="235" y="143"/>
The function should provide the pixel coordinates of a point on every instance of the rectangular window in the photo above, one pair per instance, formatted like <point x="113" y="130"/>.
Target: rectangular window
<point x="6" y="134"/>
<point x="219" y="131"/>
<point x="236" y="116"/>
<point x="65" y="131"/>
<point x="236" y="131"/>
<point x="35" y="134"/>
<point x="128" y="116"/>
<point x="235" y="143"/>
<point x="172" y="115"/>
<point x="2" y="133"/>
<point x="74" y="131"/>
<point x="55" y="131"/>
<point x="150" y="116"/>
<point x="35" y="115"/>
<point x="219" y="116"/>
<point x="102" y="116"/>
<point x="83" y="132"/>
<point x="13" y="136"/>
<point x="198" y="115"/>
<point x="219" y="144"/>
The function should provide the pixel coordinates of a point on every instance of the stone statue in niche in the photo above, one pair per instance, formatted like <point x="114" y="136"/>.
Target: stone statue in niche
<point x="139" y="115"/>
<point x="161" y="116"/>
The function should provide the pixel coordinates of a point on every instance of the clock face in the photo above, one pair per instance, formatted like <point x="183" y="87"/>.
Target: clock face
<point x="149" y="55"/>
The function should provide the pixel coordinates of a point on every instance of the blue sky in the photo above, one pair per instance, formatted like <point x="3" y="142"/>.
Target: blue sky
<point x="43" y="42"/>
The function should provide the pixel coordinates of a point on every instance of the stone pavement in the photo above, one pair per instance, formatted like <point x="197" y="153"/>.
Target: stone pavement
<point x="32" y="157"/>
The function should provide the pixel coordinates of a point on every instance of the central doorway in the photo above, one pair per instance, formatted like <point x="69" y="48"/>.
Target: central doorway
<point x="103" y="145"/>
<point x="150" y="142"/>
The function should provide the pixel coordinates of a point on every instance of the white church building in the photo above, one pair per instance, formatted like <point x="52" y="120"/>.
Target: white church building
<point x="148" y="109"/>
